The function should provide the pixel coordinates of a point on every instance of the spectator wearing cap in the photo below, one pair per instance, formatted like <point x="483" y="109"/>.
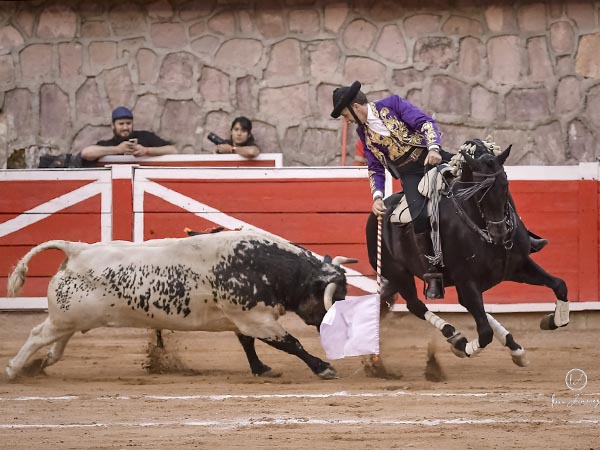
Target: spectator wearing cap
<point x="127" y="141"/>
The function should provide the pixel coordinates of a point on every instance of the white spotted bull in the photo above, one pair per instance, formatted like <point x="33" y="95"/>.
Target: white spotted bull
<point x="230" y="281"/>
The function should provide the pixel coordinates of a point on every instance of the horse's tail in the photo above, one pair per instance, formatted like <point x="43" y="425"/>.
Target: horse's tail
<point x="19" y="274"/>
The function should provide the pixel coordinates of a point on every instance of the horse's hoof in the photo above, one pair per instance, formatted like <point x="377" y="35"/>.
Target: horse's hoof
<point x="268" y="374"/>
<point x="457" y="352"/>
<point x="328" y="374"/>
<point x="457" y="344"/>
<point x="519" y="357"/>
<point x="547" y="323"/>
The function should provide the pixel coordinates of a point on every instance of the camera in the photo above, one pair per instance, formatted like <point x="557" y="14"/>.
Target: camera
<point x="133" y="140"/>
<point x="212" y="137"/>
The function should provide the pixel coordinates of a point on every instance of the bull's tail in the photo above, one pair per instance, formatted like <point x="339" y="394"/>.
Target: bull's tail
<point x="19" y="274"/>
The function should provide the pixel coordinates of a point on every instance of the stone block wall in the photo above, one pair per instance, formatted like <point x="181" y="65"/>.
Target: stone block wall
<point x="526" y="72"/>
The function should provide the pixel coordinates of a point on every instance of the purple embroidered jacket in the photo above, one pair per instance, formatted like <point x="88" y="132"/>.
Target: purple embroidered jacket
<point x="410" y="129"/>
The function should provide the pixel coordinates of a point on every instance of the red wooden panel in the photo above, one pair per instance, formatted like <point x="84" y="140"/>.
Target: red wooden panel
<point x="63" y="225"/>
<point x="122" y="217"/>
<point x="564" y="202"/>
<point x="302" y="227"/>
<point x="297" y="195"/>
<point x="518" y="187"/>
<point x="21" y="196"/>
<point x="588" y="239"/>
<point x="25" y="195"/>
<point x="43" y="264"/>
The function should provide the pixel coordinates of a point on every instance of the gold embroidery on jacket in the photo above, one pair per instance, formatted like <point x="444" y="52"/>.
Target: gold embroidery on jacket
<point x="400" y="141"/>
<point x="429" y="131"/>
<point x="372" y="180"/>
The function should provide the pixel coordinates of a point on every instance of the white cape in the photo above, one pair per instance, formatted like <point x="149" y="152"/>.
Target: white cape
<point x="351" y="327"/>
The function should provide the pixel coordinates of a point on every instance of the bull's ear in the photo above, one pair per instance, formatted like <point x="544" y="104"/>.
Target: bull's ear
<point x="327" y="259"/>
<point x="502" y="157"/>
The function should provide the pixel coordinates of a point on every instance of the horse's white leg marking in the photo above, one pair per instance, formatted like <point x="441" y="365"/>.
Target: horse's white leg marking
<point x="472" y="348"/>
<point x="500" y="332"/>
<point x="436" y="321"/>
<point x="561" y="313"/>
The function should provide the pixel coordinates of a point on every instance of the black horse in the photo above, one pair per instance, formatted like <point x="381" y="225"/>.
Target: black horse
<point x="483" y="243"/>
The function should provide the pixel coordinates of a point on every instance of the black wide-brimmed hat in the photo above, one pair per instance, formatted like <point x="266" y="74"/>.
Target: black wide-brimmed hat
<point x="342" y="98"/>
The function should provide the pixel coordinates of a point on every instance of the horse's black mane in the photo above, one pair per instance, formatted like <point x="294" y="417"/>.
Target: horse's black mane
<point x="480" y="148"/>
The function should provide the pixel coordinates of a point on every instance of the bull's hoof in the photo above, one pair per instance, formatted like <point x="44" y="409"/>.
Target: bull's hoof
<point x="34" y="368"/>
<point x="519" y="357"/>
<point x="547" y="323"/>
<point x="10" y="373"/>
<point x="328" y="374"/>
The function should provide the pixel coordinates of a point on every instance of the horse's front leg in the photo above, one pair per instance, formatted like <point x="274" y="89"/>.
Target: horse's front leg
<point x="404" y="284"/>
<point x="531" y="273"/>
<point x="470" y="297"/>
<point x="507" y="340"/>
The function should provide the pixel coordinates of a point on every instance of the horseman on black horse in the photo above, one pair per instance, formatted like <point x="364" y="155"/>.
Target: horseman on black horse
<point x="480" y="240"/>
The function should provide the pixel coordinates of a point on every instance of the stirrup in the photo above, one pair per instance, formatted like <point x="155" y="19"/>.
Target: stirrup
<point x="433" y="287"/>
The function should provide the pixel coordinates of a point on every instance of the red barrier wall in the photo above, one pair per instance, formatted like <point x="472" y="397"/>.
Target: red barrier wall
<point x="322" y="209"/>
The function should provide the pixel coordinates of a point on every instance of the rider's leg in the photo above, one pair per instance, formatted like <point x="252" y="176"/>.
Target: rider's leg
<point x="434" y="286"/>
<point x="536" y="243"/>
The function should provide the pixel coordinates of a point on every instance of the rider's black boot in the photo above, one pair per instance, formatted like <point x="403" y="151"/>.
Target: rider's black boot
<point x="434" y="281"/>
<point x="387" y="296"/>
<point x="536" y="243"/>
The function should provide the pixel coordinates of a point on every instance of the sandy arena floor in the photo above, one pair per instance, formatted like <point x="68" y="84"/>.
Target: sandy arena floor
<point x="100" y="397"/>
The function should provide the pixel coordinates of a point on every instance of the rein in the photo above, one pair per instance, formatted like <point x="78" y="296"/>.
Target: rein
<point x="468" y="192"/>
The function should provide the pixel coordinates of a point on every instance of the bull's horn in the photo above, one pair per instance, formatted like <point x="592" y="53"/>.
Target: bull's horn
<point x="343" y="260"/>
<point x="328" y="295"/>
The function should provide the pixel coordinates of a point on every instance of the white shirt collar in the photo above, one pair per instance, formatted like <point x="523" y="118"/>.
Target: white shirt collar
<point x="374" y="123"/>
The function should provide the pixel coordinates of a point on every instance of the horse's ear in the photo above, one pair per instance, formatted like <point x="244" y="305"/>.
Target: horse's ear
<point x="501" y="158"/>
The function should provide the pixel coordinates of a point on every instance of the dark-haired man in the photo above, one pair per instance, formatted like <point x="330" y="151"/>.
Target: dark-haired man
<point x="126" y="141"/>
<point x="401" y="138"/>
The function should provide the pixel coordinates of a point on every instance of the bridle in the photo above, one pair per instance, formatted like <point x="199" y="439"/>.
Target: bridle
<point x="475" y="187"/>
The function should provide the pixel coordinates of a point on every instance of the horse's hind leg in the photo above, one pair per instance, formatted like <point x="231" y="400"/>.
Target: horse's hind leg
<point x="531" y="273"/>
<point x="43" y="334"/>
<point x="506" y="339"/>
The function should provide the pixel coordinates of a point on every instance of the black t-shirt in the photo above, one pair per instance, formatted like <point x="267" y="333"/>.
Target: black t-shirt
<point x="145" y="138"/>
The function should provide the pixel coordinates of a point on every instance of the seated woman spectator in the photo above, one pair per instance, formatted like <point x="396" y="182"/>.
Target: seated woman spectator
<point x="241" y="140"/>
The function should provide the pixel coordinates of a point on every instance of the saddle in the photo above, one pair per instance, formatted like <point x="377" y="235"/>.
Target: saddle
<point x="432" y="181"/>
